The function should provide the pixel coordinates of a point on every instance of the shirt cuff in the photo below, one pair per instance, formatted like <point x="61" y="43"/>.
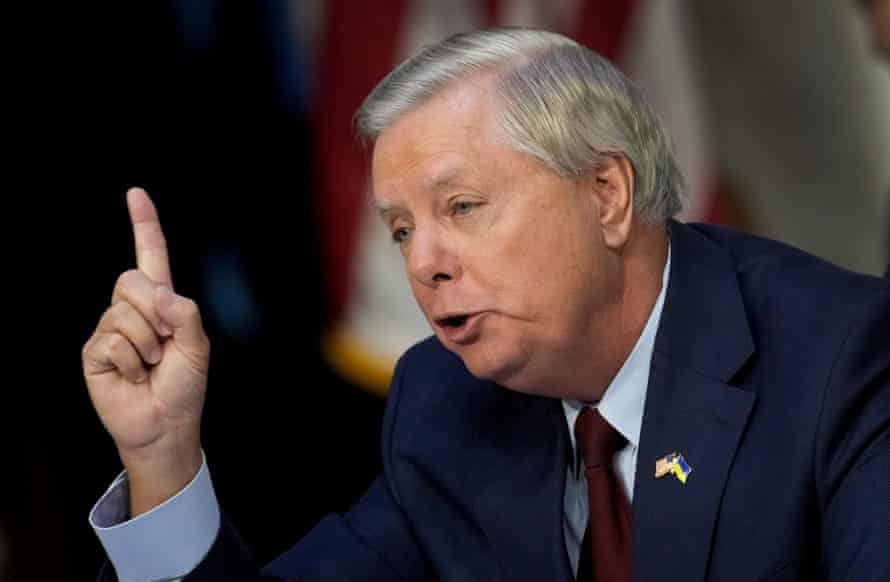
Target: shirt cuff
<point x="165" y="543"/>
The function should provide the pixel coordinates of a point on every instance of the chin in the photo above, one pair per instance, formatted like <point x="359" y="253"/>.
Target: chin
<point x="496" y="364"/>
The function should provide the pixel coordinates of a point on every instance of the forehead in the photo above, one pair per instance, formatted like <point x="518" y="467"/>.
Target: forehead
<point x="440" y="139"/>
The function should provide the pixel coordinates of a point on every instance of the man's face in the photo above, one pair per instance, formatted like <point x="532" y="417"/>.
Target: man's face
<point x="505" y="257"/>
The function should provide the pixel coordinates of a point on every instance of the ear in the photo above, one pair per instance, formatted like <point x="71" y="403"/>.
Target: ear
<point x="613" y="187"/>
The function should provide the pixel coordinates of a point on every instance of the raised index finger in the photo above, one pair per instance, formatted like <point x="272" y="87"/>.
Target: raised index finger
<point x="151" y="246"/>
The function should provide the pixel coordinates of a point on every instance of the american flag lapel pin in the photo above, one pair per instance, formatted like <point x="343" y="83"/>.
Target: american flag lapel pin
<point x="675" y="464"/>
<point x="663" y="465"/>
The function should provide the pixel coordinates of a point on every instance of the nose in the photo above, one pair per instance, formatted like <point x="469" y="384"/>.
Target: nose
<point x="430" y="259"/>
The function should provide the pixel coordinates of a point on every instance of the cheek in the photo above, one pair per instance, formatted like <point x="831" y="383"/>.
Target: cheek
<point x="515" y="261"/>
<point x="556" y="271"/>
<point x="564" y="297"/>
<point x="541" y="302"/>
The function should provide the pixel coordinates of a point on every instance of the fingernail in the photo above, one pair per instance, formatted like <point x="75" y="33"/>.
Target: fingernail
<point x="164" y="329"/>
<point x="155" y="356"/>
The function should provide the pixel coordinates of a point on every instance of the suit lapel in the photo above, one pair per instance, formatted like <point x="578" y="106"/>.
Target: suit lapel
<point x="702" y="419"/>
<point x="702" y="341"/>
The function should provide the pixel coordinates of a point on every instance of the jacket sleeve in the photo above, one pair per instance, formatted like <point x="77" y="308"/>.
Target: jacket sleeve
<point x="372" y="542"/>
<point x="852" y="464"/>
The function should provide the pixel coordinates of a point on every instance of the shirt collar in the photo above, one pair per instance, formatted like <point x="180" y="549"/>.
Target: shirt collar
<point x="622" y="402"/>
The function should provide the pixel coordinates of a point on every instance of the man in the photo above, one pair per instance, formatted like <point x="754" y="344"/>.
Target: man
<point x="609" y="395"/>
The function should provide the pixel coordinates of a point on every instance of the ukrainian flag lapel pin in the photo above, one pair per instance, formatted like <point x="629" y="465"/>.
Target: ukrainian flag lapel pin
<point x="673" y="463"/>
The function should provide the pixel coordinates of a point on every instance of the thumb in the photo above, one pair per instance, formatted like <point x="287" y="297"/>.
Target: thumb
<point x="183" y="317"/>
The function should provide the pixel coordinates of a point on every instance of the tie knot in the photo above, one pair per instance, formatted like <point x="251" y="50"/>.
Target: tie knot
<point x="597" y="440"/>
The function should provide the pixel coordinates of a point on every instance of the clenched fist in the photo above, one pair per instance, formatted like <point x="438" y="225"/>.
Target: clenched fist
<point x="146" y="368"/>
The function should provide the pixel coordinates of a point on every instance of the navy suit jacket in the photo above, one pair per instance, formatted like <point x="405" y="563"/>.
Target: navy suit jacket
<point x="771" y="374"/>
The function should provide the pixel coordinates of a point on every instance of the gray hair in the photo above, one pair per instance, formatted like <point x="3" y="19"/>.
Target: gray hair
<point x="562" y="103"/>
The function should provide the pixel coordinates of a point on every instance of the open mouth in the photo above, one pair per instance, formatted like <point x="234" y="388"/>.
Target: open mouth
<point x="453" y="322"/>
<point x="461" y="328"/>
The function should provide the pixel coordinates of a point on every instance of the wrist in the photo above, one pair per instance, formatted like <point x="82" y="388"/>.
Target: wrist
<point x="156" y="476"/>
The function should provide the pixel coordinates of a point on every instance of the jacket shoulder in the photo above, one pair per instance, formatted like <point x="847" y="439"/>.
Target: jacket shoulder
<point x="774" y="273"/>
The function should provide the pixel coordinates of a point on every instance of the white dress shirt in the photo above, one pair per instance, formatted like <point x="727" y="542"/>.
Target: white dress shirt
<point x="169" y="541"/>
<point x="622" y="407"/>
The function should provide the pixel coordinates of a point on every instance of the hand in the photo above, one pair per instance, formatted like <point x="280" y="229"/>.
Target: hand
<point x="146" y="368"/>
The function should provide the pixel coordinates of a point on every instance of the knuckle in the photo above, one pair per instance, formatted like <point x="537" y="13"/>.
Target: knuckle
<point x="127" y="278"/>
<point x="129" y="311"/>
<point x="189" y="305"/>
<point x="191" y="310"/>
<point x="124" y="284"/>
<point x="87" y="350"/>
<point x="113" y="316"/>
<point x="118" y="345"/>
<point x="119" y="310"/>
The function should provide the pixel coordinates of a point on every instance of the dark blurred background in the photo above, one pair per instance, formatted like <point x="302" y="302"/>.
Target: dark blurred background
<point x="235" y="116"/>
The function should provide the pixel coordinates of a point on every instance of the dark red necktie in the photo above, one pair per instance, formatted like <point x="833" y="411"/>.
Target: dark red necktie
<point x="605" y="551"/>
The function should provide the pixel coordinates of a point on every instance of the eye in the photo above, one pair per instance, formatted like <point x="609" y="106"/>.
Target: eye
<point x="463" y="207"/>
<point x="400" y="235"/>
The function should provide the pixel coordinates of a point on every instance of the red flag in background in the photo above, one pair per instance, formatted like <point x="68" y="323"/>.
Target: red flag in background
<point x="375" y="316"/>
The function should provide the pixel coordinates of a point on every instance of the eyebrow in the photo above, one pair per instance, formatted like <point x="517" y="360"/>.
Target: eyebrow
<point x="444" y="180"/>
<point x="382" y="206"/>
